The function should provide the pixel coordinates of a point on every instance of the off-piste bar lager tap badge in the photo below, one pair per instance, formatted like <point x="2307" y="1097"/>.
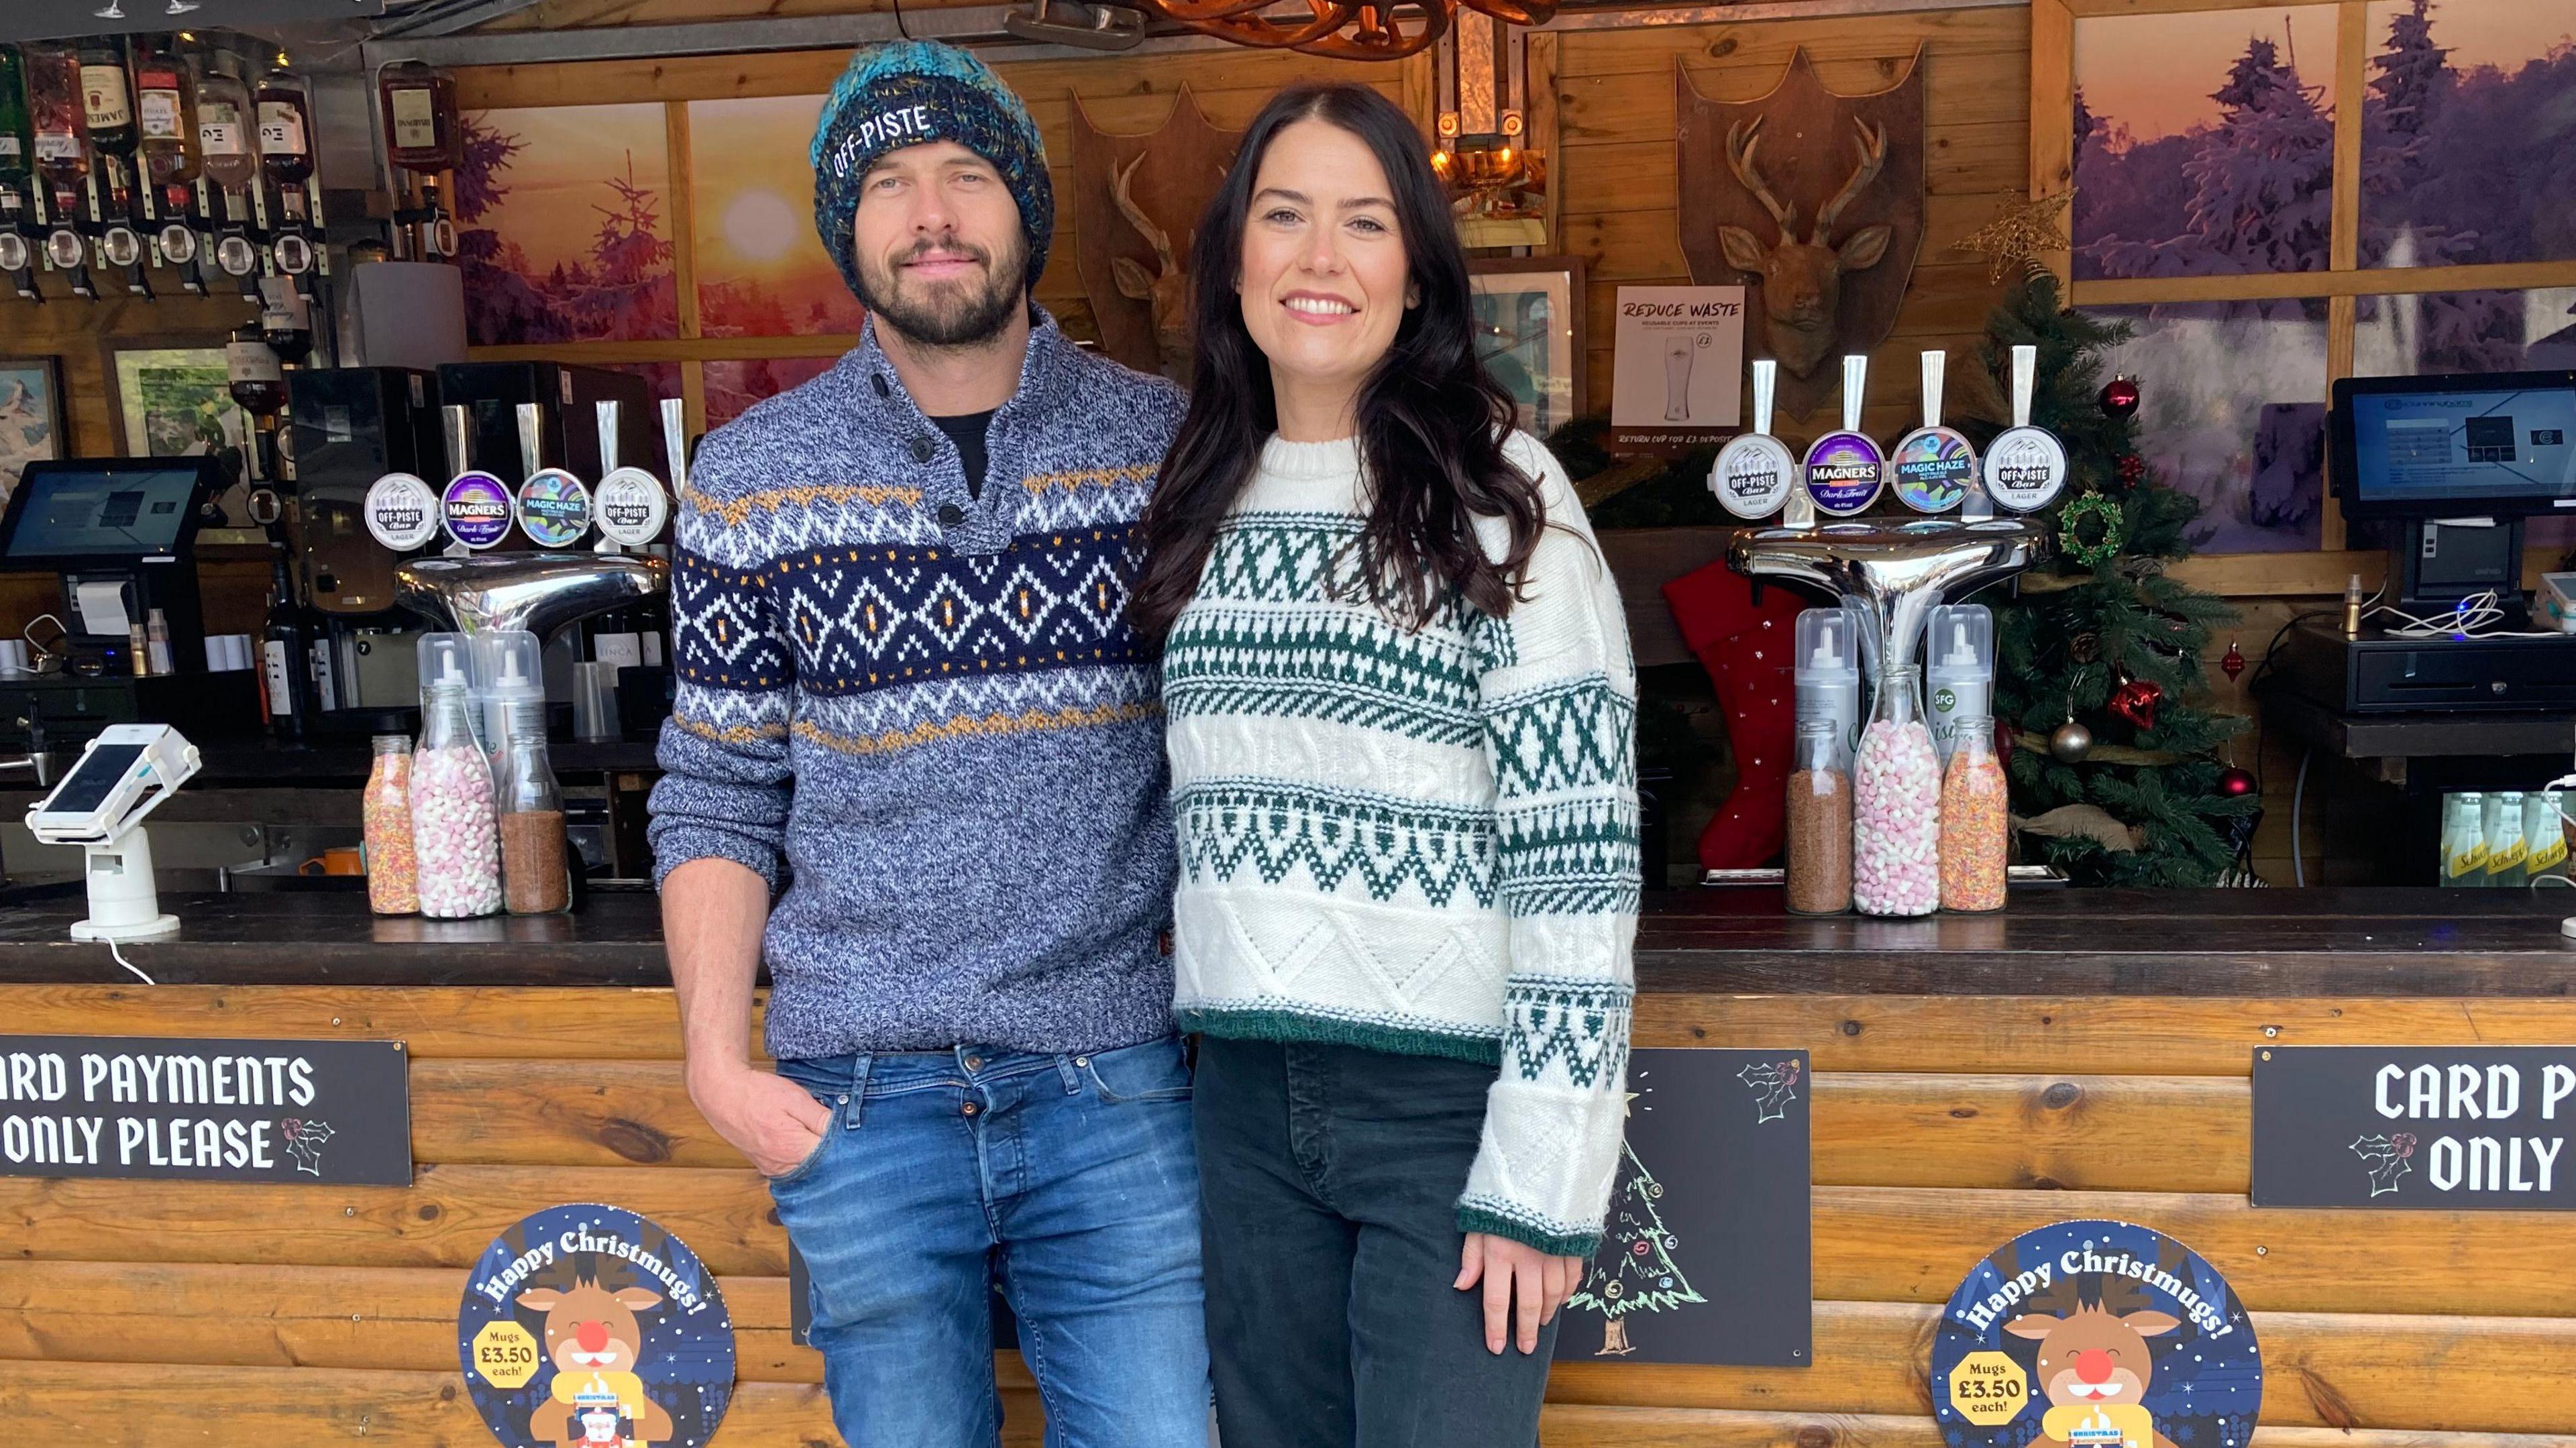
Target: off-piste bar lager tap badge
<point x="1755" y="474"/>
<point x="2025" y="465"/>
<point x="1935" y="466"/>
<point x="631" y="504"/>
<point x="1845" y="469"/>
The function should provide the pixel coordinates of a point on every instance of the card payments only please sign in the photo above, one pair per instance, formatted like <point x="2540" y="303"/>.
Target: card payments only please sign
<point x="315" y="1112"/>
<point x="2429" y="1128"/>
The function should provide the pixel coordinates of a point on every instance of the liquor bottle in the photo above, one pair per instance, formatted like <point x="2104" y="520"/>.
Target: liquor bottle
<point x="56" y="115"/>
<point x="421" y="129"/>
<point x="285" y="656"/>
<point x="258" y="383"/>
<point x="226" y="125"/>
<point x="107" y="95"/>
<point x="165" y="114"/>
<point x="17" y="136"/>
<point x="285" y="324"/>
<point x="285" y="130"/>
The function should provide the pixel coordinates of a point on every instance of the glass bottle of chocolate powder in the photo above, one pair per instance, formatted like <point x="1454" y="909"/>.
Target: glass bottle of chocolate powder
<point x="1820" y="822"/>
<point x="534" y="878"/>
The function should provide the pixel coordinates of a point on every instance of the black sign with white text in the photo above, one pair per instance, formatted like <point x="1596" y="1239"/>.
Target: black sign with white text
<point x="2433" y="1128"/>
<point x="316" y="1112"/>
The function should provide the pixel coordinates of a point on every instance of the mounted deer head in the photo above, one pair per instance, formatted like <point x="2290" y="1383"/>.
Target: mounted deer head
<point x="1166" y="290"/>
<point x="1802" y="281"/>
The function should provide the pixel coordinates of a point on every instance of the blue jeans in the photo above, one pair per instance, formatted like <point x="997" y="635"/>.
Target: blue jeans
<point x="1068" y="1181"/>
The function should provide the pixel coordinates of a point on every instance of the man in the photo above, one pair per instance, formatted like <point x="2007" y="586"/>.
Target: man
<point x="916" y="764"/>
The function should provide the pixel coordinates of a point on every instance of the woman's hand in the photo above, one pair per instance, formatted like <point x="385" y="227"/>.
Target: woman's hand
<point x="1522" y="1285"/>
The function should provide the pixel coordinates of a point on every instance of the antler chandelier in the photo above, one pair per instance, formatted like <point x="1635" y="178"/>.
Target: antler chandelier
<point x="1344" y="29"/>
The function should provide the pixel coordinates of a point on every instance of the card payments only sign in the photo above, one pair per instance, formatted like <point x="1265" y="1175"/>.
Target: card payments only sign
<point x="2430" y="1128"/>
<point x="314" y="1112"/>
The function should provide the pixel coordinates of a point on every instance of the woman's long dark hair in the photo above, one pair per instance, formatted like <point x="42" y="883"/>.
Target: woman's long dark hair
<point x="1430" y="420"/>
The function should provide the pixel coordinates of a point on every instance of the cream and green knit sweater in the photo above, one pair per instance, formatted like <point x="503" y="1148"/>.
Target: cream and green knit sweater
<point x="1421" y="842"/>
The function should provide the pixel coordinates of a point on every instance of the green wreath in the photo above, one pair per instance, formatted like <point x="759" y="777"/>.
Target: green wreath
<point x="2108" y="532"/>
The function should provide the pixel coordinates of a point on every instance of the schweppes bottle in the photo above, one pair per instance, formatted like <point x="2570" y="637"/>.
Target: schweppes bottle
<point x="2464" y="839"/>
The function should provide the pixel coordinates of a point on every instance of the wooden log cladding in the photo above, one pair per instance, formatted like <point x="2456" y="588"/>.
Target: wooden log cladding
<point x="2325" y="1370"/>
<point x="1872" y="1243"/>
<point x="2013" y="1035"/>
<point x="94" y="1404"/>
<point x="1893" y="1129"/>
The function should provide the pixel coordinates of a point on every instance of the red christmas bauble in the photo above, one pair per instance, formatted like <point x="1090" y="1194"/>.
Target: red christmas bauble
<point x="2235" y="783"/>
<point x="2233" y="663"/>
<point x="2136" y="702"/>
<point x="2120" y="397"/>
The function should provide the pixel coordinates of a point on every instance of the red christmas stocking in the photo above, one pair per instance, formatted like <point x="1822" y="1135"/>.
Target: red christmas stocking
<point x="1747" y="649"/>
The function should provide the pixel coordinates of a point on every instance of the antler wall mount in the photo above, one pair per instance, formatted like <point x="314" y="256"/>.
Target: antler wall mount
<point x="1342" y="29"/>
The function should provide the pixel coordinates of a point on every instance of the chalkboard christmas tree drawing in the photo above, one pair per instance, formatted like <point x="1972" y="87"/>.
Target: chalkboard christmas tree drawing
<point x="1634" y="1271"/>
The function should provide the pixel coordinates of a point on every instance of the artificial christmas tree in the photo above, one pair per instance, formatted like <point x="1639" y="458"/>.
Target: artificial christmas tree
<point x="1634" y="1271"/>
<point x="2104" y="639"/>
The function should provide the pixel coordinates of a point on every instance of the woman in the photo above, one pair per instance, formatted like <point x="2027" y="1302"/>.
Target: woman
<point x="1401" y="711"/>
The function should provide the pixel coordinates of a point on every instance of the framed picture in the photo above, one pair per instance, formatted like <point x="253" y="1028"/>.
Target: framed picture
<point x="175" y="401"/>
<point x="1529" y="317"/>
<point x="31" y="416"/>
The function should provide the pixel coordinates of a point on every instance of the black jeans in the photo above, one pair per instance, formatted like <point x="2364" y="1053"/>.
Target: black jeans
<point x="1328" y="1182"/>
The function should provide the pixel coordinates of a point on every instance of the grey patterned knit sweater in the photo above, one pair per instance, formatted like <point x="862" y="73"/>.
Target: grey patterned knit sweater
<point x="919" y="714"/>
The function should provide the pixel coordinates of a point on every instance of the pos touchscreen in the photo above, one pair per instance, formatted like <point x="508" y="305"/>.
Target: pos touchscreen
<point x="2497" y="444"/>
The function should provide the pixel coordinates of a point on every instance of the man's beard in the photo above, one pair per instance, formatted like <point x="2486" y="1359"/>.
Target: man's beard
<point x="947" y="314"/>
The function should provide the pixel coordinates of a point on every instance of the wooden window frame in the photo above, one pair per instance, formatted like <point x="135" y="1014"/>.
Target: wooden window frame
<point x="2052" y="165"/>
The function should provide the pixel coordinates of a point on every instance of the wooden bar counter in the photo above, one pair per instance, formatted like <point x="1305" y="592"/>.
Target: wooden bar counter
<point x="2086" y="1054"/>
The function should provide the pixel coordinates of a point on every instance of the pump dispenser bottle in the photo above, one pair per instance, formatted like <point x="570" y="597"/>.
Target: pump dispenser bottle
<point x="1828" y="672"/>
<point x="1961" y="647"/>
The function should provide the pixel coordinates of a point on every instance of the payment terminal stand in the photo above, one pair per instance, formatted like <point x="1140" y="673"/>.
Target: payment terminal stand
<point x="124" y="774"/>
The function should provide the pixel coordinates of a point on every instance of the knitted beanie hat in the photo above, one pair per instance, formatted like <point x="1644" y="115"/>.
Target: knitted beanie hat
<point x="907" y="93"/>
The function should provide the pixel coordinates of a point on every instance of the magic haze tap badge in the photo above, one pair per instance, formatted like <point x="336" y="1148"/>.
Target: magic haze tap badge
<point x="1844" y="472"/>
<point x="1931" y="469"/>
<point x="554" y="508"/>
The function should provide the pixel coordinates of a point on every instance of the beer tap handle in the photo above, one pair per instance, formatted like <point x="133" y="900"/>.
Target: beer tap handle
<point x="1934" y="364"/>
<point x="675" y="442"/>
<point x="1800" y="511"/>
<point x="460" y="459"/>
<point x="607" y="438"/>
<point x="532" y="427"/>
<point x="608" y="415"/>
<point x="460" y="437"/>
<point x="1855" y="384"/>
<point x="2025" y="365"/>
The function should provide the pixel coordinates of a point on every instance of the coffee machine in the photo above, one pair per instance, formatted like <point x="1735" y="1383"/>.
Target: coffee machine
<point x="353" y="425"/>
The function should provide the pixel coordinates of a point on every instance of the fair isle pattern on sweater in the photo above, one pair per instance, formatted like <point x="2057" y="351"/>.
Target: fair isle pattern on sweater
<point x="919" y="712"/>
<point x="1420" y="841"/>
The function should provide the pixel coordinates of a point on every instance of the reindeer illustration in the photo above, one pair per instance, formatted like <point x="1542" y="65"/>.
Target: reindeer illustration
<point x="1802" y="281"/>
<point x="2386" y="1157"/>
<point x="2094" y="1364"/>
<point x="1777" y="1083"/>
<point x="593" y="1339"/>
<point x="1167" y="289"/>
